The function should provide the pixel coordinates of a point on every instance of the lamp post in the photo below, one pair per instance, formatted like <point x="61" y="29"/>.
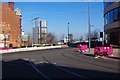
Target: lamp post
<point x="89" y="30"/>
<point x="32" y="28"/>
<point x="68" y="32"/>
<point x="5" y="41"/>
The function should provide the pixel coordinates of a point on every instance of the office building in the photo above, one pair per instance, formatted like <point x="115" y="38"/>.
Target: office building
<point x="40" y="32"/>
<point x="112" y="23"/>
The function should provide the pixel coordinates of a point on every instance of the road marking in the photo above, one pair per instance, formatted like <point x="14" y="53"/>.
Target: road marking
<point x="26" y="59"/>
<point x="54" y="63"/>
<point x="38" y="70"/>
<point x="41" y="62"/>
<point x="68" y="71"/>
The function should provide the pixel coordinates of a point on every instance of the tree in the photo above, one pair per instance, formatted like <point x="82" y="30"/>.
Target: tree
<point x="94" y="35"/>
<point x="86" y="36"/>
<point x="51" y="38"/>
<point x="81" y="38"/>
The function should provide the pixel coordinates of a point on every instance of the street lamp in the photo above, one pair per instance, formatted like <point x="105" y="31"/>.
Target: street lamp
<point x="68" y="32"/>
<point x="32" y="28"/>
<point x="5" y="41"/>
<point x="89" y="30"/>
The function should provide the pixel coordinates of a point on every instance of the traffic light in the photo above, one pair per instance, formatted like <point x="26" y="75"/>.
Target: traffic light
<point x="101" y="34"/>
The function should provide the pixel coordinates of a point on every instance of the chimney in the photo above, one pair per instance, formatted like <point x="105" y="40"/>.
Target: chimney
<point x="11" y="5"/>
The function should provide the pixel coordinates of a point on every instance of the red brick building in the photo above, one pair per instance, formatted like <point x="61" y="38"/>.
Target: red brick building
<point x="10" y="25"/>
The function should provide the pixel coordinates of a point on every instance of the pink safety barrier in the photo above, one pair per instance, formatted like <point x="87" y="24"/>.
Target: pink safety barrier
<point x="103" y="50"/>
<point x="5" y="48"/>
<point x="82" y="48"/>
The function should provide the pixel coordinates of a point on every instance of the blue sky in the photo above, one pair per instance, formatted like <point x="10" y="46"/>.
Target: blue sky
<point x="58" y="14"/>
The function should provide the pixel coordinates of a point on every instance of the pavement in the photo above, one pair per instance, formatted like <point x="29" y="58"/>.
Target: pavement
<point x="115" y="55"/>
<point x="2" y="51"/>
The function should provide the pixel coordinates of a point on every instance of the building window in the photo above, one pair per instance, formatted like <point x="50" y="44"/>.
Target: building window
<point x="115" y="18"/>
<point x="108" y="18"/>
<point x="112" y="16"/>
<point x="106" y="4"/>
<point x="119" y="13"/>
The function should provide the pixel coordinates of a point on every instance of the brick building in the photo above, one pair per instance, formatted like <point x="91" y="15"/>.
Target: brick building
<point x="10" y="25"/>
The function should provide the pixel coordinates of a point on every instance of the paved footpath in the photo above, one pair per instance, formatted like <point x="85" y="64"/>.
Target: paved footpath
<point x="115" y="55"/>
<point x="31" y="49"/>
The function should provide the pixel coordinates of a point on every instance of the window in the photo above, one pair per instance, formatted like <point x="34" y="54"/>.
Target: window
<point x="106" y="4"/>
<point x="108" y="17"/>
<point x="119" y="13"/>
<point x="112" y="16"/>
<point x="115" y="15"/>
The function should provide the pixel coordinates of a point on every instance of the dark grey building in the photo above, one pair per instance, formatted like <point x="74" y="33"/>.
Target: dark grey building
<point x="112" y="22"/>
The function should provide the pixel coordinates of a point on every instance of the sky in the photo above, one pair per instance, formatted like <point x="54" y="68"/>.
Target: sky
<point x="58" y="14"/>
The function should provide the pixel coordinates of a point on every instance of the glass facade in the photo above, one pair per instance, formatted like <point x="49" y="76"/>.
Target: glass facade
<point x="106" y="4"/>
<point x="112" y="16"/>
<point x="112" y="35"/>
<point x="119" y="14"/>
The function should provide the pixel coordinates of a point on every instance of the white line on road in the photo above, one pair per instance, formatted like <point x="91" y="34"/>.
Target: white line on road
<point x="38" y="70"/>
<point x="68" y="71"/>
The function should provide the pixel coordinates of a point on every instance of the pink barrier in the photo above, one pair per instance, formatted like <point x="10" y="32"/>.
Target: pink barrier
<point x="5" y="48"/>
<point x="103" y="50"/>
<point x="82" y="48"/>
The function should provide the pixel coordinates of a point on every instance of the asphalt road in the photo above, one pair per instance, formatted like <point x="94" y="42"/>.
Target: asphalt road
<point x="58" y="64"/>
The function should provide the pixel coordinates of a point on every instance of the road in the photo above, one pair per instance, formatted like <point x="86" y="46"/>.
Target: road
<point x="58" y="64"/>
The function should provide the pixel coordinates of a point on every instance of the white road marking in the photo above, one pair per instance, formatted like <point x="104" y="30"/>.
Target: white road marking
<point x="80" y="76"/>
<point x="38" y="70"/>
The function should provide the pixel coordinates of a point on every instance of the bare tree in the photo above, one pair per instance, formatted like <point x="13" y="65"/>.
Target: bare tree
<point x="81" y="38"/>
<point x="51" y="38"/>
<point x="86" y="36"/>
<point x="95" y="34"/>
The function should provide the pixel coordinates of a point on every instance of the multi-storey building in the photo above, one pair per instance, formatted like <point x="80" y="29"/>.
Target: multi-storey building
<point x="112" y="22"/>
<point x="10" y="25"/>
<point x="40" y="31"/>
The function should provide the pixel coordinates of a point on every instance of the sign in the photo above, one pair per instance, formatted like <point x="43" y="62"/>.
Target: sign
<point x="1" y="37"/>
<point x="25" y="38"/>
<point x="1" y="44"/>
<point x="4" y="37"/>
